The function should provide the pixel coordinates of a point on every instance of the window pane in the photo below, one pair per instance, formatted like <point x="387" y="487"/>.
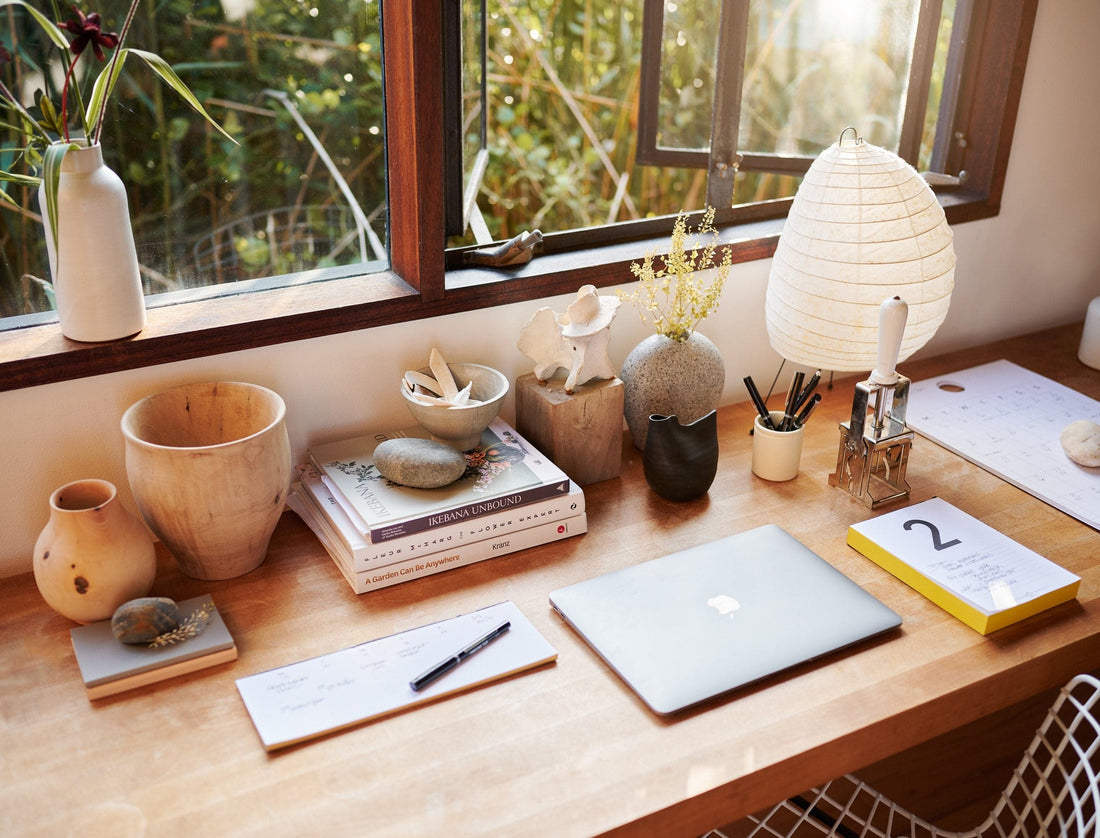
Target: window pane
<point x="689" y="57"/>
<point x="563" y="86"/>
<point x="814" y="67"/>
<point x="465" y="152"/>
<point x="562" y="105"/>
<point x="298" y="84"/>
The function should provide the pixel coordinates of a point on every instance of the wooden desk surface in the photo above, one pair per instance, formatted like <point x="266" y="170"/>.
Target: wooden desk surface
<point x="567" y="749"/>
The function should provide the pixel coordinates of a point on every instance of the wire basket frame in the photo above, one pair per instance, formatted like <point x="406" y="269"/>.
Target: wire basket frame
<point x="1053" y="793"/>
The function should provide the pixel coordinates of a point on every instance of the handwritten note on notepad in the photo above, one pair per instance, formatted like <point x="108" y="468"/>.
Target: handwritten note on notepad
<point x="344" y="688"/>
<point x="968" y="568"/>
<point x="1008" y="420"/>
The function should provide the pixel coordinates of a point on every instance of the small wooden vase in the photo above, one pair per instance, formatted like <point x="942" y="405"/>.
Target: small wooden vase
<point x="679" y="460"/>
<point x="92" y="555"/>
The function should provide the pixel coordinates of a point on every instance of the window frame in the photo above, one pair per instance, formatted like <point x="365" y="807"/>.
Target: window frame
<point x="419" y="283"/>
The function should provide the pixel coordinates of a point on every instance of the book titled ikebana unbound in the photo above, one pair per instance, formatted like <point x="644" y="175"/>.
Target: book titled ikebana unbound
<point x="503" y="472"/>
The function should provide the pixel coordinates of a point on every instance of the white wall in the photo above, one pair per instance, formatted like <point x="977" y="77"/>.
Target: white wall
<point x="1036" y="265"/>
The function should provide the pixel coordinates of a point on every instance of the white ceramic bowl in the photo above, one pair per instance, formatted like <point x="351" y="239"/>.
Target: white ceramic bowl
<point x="461" y="427"/>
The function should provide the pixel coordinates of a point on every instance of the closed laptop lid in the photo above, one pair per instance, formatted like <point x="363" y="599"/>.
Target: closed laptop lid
<point x="692" y="625"/>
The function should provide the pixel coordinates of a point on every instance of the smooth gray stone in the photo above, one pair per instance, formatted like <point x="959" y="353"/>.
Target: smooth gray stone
<point x="419" y="463"/>
<point x="141" y="620"/>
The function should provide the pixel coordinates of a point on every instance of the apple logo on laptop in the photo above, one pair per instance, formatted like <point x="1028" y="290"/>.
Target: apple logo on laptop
<point x="724" y="605"/>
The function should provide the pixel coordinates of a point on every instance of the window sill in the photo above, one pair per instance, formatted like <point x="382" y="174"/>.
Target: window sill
<point x="39" y="354"/>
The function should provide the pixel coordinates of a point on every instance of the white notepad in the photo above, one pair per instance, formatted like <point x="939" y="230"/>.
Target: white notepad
<point x="316" y="696"/>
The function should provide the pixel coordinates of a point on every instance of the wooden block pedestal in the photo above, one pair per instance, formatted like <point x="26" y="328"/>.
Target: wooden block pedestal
<point x="582" y="433"/>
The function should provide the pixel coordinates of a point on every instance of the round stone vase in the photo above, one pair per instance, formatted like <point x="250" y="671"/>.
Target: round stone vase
<point x="209" y="466"/>
<point x="670" y="378"/>
<point x="94" y="265"/>
<point x="92" y="555"/>
<point x="680" y="460"/>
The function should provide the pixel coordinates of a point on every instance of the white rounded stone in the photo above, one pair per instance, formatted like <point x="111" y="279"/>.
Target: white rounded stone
<point x="1081" y="442"/>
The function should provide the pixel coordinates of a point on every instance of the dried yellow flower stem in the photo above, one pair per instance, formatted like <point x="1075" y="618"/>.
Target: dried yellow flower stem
<point x="675" y="298"/>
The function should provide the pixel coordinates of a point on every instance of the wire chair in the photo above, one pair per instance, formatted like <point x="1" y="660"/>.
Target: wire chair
<point x="1054" y="792"/>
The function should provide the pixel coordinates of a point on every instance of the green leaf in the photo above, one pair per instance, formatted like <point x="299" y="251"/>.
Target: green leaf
<point x="22" y="180"/>
<point x="50" y="119"/>
<point x="48" y="26"/>
<point x="47" y="288"/>
<point x="51" y="178"/>
<point x="101" y="90"/>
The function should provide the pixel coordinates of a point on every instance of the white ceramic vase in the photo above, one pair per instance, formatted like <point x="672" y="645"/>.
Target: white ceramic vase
<point x="94" y="266"/>
<point x="92" y="555"/>
<point x="209" y="466"/>
<point x="670" y="378"/>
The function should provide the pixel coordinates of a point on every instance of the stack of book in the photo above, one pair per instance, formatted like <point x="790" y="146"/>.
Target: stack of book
<point x="380" y="533"/>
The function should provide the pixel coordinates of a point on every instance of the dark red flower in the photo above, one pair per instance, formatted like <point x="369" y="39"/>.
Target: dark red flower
<point x="88" y="30"/>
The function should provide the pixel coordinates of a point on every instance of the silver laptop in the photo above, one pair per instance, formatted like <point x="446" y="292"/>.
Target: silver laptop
<point x="692" y="625"/>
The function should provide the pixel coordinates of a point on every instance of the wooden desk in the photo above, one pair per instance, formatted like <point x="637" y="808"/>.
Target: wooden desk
<point x="565" y="750"/>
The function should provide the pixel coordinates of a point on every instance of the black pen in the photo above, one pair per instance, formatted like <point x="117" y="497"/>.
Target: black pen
<point x="792" y="398"/>
<point x="807" y="391"/>
<point x="758" y="403"/>
<point x="443" y="667"/>
<point x="806" y="411"/>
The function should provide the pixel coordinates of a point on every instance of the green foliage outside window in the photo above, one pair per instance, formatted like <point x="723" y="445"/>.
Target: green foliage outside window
<point x="205" y="211"/>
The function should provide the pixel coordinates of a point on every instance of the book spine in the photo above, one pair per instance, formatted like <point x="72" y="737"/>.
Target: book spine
<point x="465" y="512"/>
<point x="405" y="571"/>
<point x="365" y="555"/>
<point x="163" y="673"/>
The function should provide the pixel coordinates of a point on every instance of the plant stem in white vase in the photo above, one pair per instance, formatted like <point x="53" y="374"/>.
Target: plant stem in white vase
<point x="93" y="259"/>
<point x="677" y="371"/>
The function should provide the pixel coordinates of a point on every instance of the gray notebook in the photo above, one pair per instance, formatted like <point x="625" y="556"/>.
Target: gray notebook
<point x="695" y="624"/>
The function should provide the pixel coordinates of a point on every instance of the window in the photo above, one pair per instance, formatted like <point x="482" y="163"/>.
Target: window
<point x="298" y="84"/>
<point x="631" y="109"/>
<point x="419" y="282"/>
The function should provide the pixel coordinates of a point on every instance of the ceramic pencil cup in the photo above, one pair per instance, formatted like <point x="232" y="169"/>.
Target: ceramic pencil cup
<point x="209" y="466"/>
<point x="775" y="454"/>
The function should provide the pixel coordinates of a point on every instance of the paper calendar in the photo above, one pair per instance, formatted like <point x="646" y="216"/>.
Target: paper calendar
<point x="1008" y="420"/>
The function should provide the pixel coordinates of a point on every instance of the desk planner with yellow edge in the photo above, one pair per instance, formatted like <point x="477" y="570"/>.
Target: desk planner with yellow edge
<point x="565" y="749"/>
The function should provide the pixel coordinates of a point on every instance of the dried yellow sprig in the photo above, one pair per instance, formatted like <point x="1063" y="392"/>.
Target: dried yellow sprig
<point x="191" y="627"/>
<point x="676" y="297"/>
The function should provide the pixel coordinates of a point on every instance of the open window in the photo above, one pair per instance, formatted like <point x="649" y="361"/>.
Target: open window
<point x="644" y="108"/>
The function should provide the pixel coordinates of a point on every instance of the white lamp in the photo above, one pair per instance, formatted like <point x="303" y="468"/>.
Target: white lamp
<point x="864" y="227"/>
<point x="862" y="278"/>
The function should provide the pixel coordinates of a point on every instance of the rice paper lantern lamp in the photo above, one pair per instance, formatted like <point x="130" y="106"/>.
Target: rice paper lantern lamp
<point x="863" y="227"/>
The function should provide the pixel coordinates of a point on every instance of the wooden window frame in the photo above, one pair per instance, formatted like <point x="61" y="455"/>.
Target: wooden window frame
<point x="419" y="283"/>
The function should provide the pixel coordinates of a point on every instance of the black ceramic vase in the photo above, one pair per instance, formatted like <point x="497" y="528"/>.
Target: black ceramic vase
<point x="680" y="461"/>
